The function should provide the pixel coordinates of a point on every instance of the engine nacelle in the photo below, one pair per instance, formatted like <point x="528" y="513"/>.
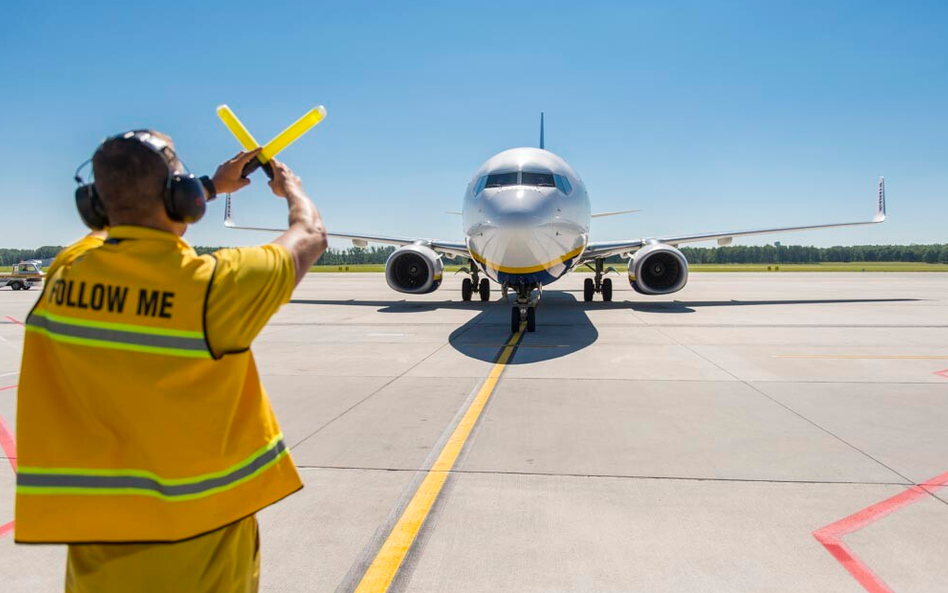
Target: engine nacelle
<point x="658" y="269"/>
<point x="414" y="269"/>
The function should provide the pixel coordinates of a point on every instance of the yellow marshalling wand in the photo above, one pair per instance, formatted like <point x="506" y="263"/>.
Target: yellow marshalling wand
<point x="275" y="146"/>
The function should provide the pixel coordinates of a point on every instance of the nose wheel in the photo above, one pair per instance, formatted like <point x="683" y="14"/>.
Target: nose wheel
<point x="526" y="308"/>
<point x="520" y="314"/>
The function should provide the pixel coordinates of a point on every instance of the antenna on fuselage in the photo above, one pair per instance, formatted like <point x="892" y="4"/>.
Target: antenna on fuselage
<point x="541" y="130"/>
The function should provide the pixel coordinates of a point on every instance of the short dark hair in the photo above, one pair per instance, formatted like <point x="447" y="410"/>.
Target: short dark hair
<point x="129" y="177"/>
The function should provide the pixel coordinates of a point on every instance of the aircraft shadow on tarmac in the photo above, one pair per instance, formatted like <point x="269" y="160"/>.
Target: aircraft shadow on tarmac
<point x="562" y="324"/>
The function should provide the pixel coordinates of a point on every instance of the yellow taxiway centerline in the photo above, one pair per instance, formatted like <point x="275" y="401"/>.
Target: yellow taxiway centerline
<point x="380" y="574"/>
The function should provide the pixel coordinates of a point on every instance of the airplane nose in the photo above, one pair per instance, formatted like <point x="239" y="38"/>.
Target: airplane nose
<point x="519" y="207"/>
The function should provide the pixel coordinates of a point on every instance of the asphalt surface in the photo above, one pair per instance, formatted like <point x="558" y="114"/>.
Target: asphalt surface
<point x="694" y="442"/>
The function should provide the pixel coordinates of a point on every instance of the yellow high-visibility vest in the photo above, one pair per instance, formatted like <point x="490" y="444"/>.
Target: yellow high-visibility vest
<point x="128" y="427"/>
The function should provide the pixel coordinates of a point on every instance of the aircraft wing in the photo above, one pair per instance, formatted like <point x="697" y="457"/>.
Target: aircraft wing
<point x="451" y="248"/>
<point x="603" y="249"/>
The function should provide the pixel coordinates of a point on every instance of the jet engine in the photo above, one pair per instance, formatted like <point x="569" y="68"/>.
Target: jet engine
<point x="415" y="269"/>
<point x="658" y="269"/>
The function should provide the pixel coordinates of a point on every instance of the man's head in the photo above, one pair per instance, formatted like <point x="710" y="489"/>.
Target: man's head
<point x="131" y="179"/>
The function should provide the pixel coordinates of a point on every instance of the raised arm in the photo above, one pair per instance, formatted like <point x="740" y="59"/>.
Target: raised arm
<point x="305" y="238"/>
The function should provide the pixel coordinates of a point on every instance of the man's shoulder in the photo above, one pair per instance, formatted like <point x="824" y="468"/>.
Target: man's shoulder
<point x="268" y="252"/>
<point x="74" y="251"/>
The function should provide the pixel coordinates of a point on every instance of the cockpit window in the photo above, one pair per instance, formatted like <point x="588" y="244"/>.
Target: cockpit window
<point x="538" y="179"/>
<point x="502" y="179"/>
<point x="563" y="184"/>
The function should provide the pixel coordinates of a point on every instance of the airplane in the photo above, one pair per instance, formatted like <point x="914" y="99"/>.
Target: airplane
<point x="526" y="218"/>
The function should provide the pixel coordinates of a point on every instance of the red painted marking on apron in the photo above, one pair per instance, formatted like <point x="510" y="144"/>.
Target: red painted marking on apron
<point x="16" y="321"/>
<point x="6" y="528"/>
<point x="8" y="444"/>
<point x="7" y="387"/>
<point x="831" y="535"/>
<point x="943" y="373"/>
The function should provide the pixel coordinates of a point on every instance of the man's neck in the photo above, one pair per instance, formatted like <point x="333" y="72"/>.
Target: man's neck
<point x="159" y="225"/>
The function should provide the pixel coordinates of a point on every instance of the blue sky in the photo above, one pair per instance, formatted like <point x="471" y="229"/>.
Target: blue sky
<point x="707" y="115"/>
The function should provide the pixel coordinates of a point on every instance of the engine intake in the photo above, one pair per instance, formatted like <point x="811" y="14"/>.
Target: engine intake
<point x="658" y="269"/>
<point x="414" y="269"/>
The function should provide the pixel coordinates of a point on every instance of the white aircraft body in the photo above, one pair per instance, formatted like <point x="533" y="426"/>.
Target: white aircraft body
<point x="526" y="218"/>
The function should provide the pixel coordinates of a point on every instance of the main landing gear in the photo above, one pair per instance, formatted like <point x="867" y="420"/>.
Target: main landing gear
<point x="600" y="284"/>
<point x="469" y="285"/>
<point x="526" y="307"/>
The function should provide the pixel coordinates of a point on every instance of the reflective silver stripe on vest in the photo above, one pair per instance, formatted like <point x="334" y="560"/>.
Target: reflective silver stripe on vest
<point x="114" y="335"/>
<point x="148" y="484"/>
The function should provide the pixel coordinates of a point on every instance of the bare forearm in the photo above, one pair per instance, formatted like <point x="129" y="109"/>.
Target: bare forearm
<point x="302" y="211"/>
<point x="305" y="238"/>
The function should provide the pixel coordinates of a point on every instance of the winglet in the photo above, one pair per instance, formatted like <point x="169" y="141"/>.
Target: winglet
<point x="880" y="202"/>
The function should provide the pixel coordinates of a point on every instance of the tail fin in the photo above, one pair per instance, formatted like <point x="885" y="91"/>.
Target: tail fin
<point x="541" y="131"/>
<point x="880" y="202"/>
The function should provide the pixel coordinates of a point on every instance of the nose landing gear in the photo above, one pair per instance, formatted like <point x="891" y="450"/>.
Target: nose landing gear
<point x="526" y="308"/>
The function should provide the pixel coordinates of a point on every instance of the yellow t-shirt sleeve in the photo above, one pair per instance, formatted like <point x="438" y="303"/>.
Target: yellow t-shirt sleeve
<point x="250" y="284"/>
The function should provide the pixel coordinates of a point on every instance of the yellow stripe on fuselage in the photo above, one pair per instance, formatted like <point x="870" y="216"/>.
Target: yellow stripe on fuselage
<point x="528" y="269"/>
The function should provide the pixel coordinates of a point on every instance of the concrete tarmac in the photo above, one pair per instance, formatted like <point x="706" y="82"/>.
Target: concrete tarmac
<point x="693" y="442"/>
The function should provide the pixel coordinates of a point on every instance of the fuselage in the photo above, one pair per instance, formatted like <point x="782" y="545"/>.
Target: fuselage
<point x="526" y="217"/>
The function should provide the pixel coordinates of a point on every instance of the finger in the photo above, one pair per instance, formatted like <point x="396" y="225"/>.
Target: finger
<point x="245" y="157"/>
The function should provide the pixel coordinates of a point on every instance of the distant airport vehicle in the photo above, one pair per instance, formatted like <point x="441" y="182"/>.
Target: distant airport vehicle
<point x="526" y="218"/>
<point x="24" y="275"/>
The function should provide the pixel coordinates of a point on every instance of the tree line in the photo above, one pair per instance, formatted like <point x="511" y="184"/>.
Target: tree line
<point x="734" y="254"/>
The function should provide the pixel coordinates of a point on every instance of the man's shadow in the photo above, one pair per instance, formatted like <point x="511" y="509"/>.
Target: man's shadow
<point x="563" y="326"/>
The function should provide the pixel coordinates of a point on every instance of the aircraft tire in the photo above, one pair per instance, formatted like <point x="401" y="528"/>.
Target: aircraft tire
<point x="515" y="319"/>
<point x="531" y="319"/>
<point x="467" y="289"/>
<point x="607" y="289"/>
<point x="484" y="289"/>
<point x="589" y="288"/>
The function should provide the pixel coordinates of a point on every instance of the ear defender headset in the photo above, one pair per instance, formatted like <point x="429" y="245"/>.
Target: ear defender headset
<point x="185" y="196"/>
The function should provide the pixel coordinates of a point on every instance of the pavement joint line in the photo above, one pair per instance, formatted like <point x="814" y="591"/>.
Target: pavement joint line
<point x="831" y="536"/>
<point x="381" y="573"/>
<point x="625" y="325"/>
<point x="609" y="476"/>
<point x="784" y="406"/>
<point x="767" y="381"/>
<point x="366" y="398"/>
<point x="860" y="357"/>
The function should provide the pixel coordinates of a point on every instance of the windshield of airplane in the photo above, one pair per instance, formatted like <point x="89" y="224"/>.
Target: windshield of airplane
<point x="502" y="179"/>
<point x="538" y="179"/>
